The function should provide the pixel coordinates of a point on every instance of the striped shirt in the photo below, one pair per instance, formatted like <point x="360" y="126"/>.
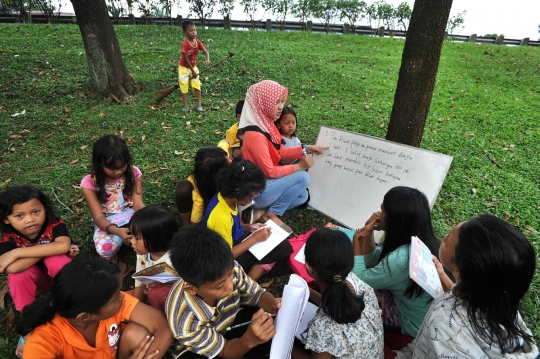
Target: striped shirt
<point x="198" y="327"/>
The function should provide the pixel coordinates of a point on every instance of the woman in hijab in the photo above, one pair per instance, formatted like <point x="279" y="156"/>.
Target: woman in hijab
<point x="286" y="186"/>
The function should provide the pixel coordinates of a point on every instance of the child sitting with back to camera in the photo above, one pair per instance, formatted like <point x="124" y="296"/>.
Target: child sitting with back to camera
<point x="188" y="73"/>
<point x="34" y="246"/>
<point x="478" y="317"/>
<point x="113" y="192"/>
<point x="206" y="301"/>
<point x="86" y="316"/>
<point x="286" y="124"/>
<point x="238" y="183"/>
<point x="348" y="322"/>
<point x="231" y="143"/>
<point x="152" y="230"/>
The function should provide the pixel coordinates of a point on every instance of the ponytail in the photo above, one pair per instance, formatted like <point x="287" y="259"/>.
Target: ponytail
<point x="329" y="253"/>
<point x="35" y="314"/>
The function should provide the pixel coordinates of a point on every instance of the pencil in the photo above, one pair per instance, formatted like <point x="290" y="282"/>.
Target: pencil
<point x="242" y="324"/>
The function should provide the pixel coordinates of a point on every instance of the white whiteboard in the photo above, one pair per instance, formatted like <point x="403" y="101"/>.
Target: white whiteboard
<point x="349" y="181"/>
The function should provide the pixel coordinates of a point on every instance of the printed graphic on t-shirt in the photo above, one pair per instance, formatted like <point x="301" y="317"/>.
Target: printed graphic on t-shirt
<point x="114" y="337"/>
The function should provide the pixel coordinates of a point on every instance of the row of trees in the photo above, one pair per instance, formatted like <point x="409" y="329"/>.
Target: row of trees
<point x="375" y="14"/>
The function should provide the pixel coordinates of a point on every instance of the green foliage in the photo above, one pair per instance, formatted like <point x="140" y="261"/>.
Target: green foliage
<point x="326" y="11"/>
<point x="403" y="14"/>
<point x="226" y="7"/>
<point x="203" y="9"/>
<point x="492" y="36"/>
<point x="352" y="10"/>
<point x="302" y="9"/>
<point x="484" y="113"/>
<point x="279" y="8"/>
<point x="250" y="8"/>
<point x="456" y="22"/>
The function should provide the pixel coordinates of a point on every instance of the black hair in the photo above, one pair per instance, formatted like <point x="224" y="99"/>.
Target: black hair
<point x="496" y="263"/>
<point x="200" y="255"/>
<point x="407" y="214"/>
<point x="329" y="253"/>
<point x="240" y="179"/>
<point x="85" y="284"/>
<point x="186" y="24"/>
<point x="107" y="151"/>
<point x="156" y="225"/>
<point x="286" y="111"/>
<point x="208" y="161"/>
<point x="22" y="194"/>
<point x="239" y="107"/>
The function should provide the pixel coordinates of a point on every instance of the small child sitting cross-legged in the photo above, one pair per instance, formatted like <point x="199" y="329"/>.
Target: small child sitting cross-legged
<point x="207" y="300"/>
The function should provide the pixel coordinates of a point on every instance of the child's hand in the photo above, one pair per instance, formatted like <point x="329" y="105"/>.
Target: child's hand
<point x="276" y="305"/>
<point x="255" y="226"/>
<point x="318" y="150"/>
<point x="207" y="61"/>
<point x="125" y="234"/>
<point x="194" y="74"/>
<point x="438" y="265"/>
<point x="262" y="235"/>
<point x="7" y="259"/>
<point x="261" y="330"/>
<point x="142" y="348"/>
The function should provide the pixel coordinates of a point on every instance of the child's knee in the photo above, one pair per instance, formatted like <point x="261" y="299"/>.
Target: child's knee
<point x="107" y="245"/>
<point x="55" y="263"/>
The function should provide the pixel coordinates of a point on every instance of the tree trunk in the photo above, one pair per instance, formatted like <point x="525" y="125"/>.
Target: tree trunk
<point x="418" y="71"/>
<point x="108" y="73"/>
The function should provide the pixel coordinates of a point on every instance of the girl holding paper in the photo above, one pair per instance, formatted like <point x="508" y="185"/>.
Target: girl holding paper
<point x="404" y="213"/>
<point x="238" y="184"/>
<point x="348" y="323"/>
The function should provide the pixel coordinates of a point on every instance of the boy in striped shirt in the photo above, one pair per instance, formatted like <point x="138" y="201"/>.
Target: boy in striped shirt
<point x="207" y="300"/>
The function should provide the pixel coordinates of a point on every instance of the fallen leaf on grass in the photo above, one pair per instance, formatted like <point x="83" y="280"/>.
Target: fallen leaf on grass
<point x="516" y="221"/>
<point x="489" y="204"/>
<point x="84" y="147"/>
<point x="468" y="134"/>
<point x="75" y="186"/>
<point x="49" y="135"/>
<point x="143" y="138"/>
<point x="15" y="136"/>
<point x="9" y="319"/>
<point x="474" y="190"/>
<point x="186" y="159"/>
<point x="218" y="132"/>
<point x="267" y="284"/>
<point x="74" y="161"/>
<point x="3" y="293"/>
<point x="529" y="230"/>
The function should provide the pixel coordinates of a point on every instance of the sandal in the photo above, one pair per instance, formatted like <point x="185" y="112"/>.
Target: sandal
<point x="20" y="344"/>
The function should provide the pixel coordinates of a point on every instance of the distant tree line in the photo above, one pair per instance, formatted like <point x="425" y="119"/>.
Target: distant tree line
<point x="376" y="14"/>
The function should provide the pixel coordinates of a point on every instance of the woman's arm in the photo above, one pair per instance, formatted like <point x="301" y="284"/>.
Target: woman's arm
<point x="99" y="218"/>
<point x="20" y="259"/>
<point x="137" y="195"/>
<point x="138" y="293"/>
<point x="156" y="323"/>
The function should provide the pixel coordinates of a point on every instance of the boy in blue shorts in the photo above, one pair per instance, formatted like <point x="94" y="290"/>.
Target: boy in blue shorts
<point x="187" y="68"/>
<point x="207" y="300"/>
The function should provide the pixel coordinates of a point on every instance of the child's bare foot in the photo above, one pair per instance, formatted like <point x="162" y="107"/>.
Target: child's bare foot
<point x="256" y="272"/>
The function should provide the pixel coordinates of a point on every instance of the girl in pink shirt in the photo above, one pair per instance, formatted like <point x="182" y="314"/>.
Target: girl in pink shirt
<point x="113" y="192"/>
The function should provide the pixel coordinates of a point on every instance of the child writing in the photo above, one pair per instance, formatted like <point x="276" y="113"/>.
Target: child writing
<point x="113" y="192"/>
<point x="187" y="68"/>
<point x="193" y="194"/>
<point x="404" y="213"/>
<point x="87" y="317"/>
<point x="238" y="183"/>
<point x="348" y="323"/>
<point x="286" y="124"/>
<point x="34" y="245"/>
<point x="478" y="317"/>
<point x="152" y="231"/>
<point x="207" y="300"/>
<point x="231" y="143"/>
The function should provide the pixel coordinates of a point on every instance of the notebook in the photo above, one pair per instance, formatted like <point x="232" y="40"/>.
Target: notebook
<point x="422" y="269"/>
<point x="289" y="317"/>
<point x="159" y="273"/>
<point x="278" y="235"/>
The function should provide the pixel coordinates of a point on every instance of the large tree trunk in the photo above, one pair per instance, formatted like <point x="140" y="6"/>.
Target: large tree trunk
<point x="108" y="73"/>
<point x="418" y="71"/>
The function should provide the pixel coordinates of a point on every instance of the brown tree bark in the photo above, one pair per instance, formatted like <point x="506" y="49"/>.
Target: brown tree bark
<point x="108" y="73"/>
<point x="418" y="71"/>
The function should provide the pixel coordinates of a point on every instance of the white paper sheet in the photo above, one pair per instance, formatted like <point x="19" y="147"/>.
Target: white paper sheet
<point x="242" y="208"/>
<point x="309" y="313"/>
<point x="300" y="256"/>
<point x="261" y="249"/>
<point x="158" y="278"/>
<point x="293" y="303"/>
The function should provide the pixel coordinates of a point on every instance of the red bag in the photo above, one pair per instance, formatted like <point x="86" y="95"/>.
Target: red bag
<point x="300" y="268"/>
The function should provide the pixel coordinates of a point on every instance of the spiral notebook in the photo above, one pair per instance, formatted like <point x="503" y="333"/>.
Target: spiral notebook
<point x="289" y="317"/>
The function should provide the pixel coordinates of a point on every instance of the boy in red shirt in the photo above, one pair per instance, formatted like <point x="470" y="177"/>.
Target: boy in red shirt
<point x="187" y="69"/>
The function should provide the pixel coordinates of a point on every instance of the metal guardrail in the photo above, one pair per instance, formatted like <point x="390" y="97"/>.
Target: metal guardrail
<point x="269" y="25"/>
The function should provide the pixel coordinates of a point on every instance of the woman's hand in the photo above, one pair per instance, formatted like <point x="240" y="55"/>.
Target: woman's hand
<point x="318" y="150"/>
<point x="305" y="163"/>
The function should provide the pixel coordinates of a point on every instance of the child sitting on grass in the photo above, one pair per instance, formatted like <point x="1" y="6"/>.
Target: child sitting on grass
<point x="238" y="183"/>
<point x="478" y="317"/>
<point x="231" y="143"/>
<point x="187" y="68"/>
<point x="286" y="124"/>
<point x="207" y="300"/>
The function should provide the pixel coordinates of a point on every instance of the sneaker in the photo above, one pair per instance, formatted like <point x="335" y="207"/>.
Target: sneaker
<point x="199" y="108"/>
<point x="185" y="109"/>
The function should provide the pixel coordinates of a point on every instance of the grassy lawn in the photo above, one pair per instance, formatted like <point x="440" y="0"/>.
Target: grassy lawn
<point x="484" y="113"/>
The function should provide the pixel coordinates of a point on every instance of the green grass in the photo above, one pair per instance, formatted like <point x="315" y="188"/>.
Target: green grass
<point x="484" y="114"/>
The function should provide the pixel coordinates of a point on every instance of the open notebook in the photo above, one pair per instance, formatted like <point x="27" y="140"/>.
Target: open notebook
<point x="278" y="235"/>
<point x="159" y="273"/>
<point x="422" y="269"/>
<point x="289" y="317"/>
